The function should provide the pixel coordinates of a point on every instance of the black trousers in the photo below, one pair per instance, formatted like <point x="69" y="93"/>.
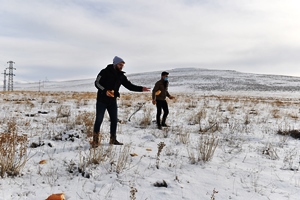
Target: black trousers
<point x="161" y="105"/>
<point x="112" y="109"/>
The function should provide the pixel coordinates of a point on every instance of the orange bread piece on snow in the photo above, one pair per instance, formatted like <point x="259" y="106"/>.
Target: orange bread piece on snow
<point x="43" y="162"/>
<point x="59" y="196"/>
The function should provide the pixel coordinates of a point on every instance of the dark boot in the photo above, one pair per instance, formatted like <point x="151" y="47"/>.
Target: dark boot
<point x="163" y="122"/>
<point x="95" y="142"/>
<point x="158" y="123"/>
<point x="114" y="141"/>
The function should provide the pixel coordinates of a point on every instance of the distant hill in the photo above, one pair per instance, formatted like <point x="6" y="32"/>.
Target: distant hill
<point x="185" y="79"/>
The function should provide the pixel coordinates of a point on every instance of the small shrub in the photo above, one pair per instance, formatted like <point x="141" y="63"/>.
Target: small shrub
<point x="275" y="113"/>
<point x="184" y="137"/>
<point x="212" y="197"/>
<point x="13" y="151"/>
<point x="205" y="149"/>
<point x="98" y="155"/>
<point x="63" y="111"/>
<point x="86" y="119"/>
<point x="270" y="152"/>
<point x="198" y="117"/>
<point x="123" y="158"/>
<point x="212" y="127"/>
<point x="160" y="146"/>
<point x="147" y="118"/>
<point x="291" y="160"/>
<point x="133" y="191"/>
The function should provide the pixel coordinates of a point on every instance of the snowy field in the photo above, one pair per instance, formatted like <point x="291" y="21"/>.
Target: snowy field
<point x="222" y="143"/>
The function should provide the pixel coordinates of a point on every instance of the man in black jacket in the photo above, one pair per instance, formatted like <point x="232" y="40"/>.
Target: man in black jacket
<point x="108" y="83"/>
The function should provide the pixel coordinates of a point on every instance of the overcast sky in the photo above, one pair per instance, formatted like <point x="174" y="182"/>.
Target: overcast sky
<point x="75" y="39"/>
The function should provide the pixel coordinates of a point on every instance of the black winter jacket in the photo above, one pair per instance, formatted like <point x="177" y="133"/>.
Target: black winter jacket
<point x="111" y="79"/>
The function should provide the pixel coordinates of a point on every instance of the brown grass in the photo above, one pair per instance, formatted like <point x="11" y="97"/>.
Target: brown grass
<point x="87" y="120"/>
<point x="13" y="151"/>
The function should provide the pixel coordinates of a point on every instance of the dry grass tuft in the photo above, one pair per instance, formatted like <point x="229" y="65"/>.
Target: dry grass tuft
<point x="87" y="120"/>
<point x="13" y="151"/>
<point x="99" y="155"/>
<point x="147" y="118"/>
<point x="160" y="147"/>
<point x="133" y="192"/>
<point x="205" y="149"/>
<point x="122" y="160"/>
<point x="275" y="113"/>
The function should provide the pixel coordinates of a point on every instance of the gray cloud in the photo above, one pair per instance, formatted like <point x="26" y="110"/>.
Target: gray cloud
<point x="64" y="40"/>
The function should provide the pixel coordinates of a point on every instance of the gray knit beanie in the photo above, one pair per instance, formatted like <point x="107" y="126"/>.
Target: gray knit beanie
<point x="117" y="60"/>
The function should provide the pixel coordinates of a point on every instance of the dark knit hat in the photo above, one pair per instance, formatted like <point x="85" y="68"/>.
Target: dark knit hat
<point x="164" y="73"/>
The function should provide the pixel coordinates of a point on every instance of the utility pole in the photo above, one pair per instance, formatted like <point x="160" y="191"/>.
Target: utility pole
<point x="10" y="86"/>
<point x="4" y="80"/>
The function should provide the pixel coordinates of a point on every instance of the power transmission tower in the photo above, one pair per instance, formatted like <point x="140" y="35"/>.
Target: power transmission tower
<point x="10" y="85"/>
<point x="4" y="80"/>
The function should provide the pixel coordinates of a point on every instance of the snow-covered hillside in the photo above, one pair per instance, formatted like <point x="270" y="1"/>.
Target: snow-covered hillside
<point x="185" y="79"/>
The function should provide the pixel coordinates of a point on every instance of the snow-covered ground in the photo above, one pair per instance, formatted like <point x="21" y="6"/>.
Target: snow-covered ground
<point x="251" y="160"/>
